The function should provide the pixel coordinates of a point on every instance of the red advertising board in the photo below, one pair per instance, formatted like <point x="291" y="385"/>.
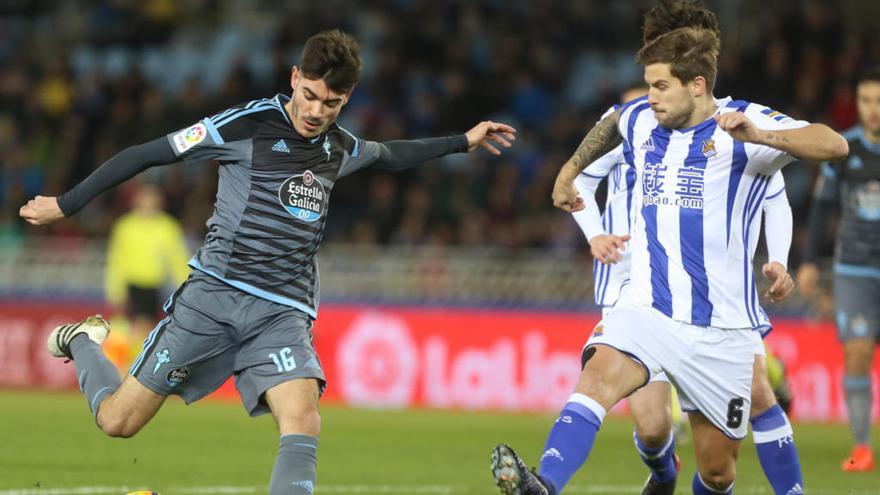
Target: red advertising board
<point x="445" y="358"/>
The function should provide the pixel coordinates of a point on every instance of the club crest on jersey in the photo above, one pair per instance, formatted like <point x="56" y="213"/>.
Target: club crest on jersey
<point x="709" y="148"/>
<point x="599" y="330"/>
<point x="303" y="196"/>
<point x="648" y="145"/>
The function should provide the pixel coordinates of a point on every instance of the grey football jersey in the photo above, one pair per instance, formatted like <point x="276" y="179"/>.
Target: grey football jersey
<point x="854" y="183"/>
<point x="272" y="198"/>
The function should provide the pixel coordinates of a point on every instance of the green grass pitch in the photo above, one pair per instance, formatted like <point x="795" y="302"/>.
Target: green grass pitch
<point x="50" y="445"/>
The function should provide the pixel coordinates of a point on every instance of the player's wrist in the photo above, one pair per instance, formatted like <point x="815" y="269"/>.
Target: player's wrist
<point x="568" y="173"/>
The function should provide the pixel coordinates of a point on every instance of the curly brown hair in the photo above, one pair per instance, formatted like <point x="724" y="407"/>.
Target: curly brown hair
<point x="333" y="56"/>
<point x="684" y="34"/>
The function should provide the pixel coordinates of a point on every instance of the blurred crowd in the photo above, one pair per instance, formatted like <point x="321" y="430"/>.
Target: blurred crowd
<point x="79" y="81"/>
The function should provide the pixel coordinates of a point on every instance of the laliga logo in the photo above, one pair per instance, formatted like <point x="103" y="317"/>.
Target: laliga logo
<point x="378" y="361"/>
<point x="383" y="365"/>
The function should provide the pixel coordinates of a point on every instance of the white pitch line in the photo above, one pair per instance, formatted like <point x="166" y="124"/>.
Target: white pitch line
<point x="384" y="489"/>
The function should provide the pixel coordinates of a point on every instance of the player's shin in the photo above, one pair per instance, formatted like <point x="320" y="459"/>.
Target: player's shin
<point x="98" y="377"/>
<point x="294" y="472"/>
<point x="777" y="453"/>
<point x="570" y="440"/>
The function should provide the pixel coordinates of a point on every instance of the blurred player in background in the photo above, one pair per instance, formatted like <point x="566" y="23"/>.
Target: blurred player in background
<point x="248" y="306"/>
<point x="852" y="186"/>
<point x="691" y="309"/>
<point x="146" y="251"/>
<point x="654" y="407"/>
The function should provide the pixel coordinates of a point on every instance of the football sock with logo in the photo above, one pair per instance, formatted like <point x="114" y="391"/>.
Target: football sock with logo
<point x="858" y="402"/>
<point x="294" y="472"/>
<point x="570" y="440"/>
<point x="661" y="461"/>
<point x="97" y="376"/>
<point x="774" y="440"/>
<point x="699" y="487"/>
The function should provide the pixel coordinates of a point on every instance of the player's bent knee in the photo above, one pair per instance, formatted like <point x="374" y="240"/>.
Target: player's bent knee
<point x="718" y="480"/>
<point x="117" y="426"/>
<point x="654" y="434"/>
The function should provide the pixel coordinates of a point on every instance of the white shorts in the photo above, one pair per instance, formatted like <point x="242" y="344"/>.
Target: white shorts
<point x="659" y="377"/>
<point x="711" y="368"/>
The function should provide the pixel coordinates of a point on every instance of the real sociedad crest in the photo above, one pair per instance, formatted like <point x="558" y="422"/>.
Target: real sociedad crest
<point x="709" y="148"/>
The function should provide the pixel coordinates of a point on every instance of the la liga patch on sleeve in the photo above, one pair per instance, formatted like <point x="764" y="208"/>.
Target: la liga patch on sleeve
<point x="189" y="137"/>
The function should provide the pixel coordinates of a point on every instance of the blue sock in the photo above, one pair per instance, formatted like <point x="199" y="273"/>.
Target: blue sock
<point x="661" y="461"/>
<point x="699" y="487"/>
<point x="779" y="458"/>
<point x="570" y="440"/>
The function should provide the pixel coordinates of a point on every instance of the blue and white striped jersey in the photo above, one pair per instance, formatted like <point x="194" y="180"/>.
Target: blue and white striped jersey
<point x="696" y="222"/>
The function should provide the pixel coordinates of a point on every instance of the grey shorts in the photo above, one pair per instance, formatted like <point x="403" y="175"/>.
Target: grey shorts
<point x="214" y="331"/>
<point x="857" y="300"/>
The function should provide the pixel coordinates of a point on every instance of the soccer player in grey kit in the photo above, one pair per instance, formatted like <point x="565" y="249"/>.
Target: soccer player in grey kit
<point x="852" y="186"/>
<point x="247" y="308"/>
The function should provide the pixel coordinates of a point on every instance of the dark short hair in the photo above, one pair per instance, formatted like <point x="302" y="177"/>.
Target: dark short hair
<point x="669" y="15"/>
<point x="333" y="56"/>
<point x="689" y="52"/>
<point x="871" y="74"/>
<point x="685" y="35"/>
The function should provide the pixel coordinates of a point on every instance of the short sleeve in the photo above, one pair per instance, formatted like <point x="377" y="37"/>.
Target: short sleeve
<point x="766" y="159"/>
<point x="359" y="153"/>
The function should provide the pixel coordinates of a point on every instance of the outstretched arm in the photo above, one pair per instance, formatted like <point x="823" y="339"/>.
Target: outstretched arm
<point x="815" y="142"/>
<point x="399" y="155"/>
<point x="124" y="165"/>
<point x="601" y="139"/>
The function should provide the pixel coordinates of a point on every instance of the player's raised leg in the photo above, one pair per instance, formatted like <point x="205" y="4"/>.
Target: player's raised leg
<point x="652" y="414"/>
<point x="716" y="456"/>
<point x="774" y="438"/>
<point x="121" y="409"/>
<point x="607" y="377"/>
<point x="294" y="405"/>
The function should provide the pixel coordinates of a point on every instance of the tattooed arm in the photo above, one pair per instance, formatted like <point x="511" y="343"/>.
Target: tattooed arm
<point x="601" y="139"/>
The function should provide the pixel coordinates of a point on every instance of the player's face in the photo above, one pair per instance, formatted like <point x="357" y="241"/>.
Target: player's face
<point x="670" y="100"/>
<point x="868" y="99"/>
<point x="315" y="106"/>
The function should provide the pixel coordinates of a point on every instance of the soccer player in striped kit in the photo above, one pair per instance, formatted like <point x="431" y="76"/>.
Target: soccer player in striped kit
<point x="691" y="309"/>
<point x="247" y="308"/>
<point x="653" y="407"/>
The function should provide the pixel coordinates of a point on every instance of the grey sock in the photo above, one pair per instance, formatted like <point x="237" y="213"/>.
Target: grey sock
<point x="97" y="376"/>
<point x="294" y="472"/>
<point x="858" y="401"/>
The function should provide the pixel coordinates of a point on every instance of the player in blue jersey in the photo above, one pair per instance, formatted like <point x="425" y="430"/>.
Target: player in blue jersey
<point x="652" y="410"/>
<point x="247" y="308"/>
<point x="852" y="186"/>
<point x="691" y="309"/>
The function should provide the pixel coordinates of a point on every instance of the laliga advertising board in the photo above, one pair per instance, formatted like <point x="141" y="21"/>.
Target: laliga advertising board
<point x="447" y="358"/>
